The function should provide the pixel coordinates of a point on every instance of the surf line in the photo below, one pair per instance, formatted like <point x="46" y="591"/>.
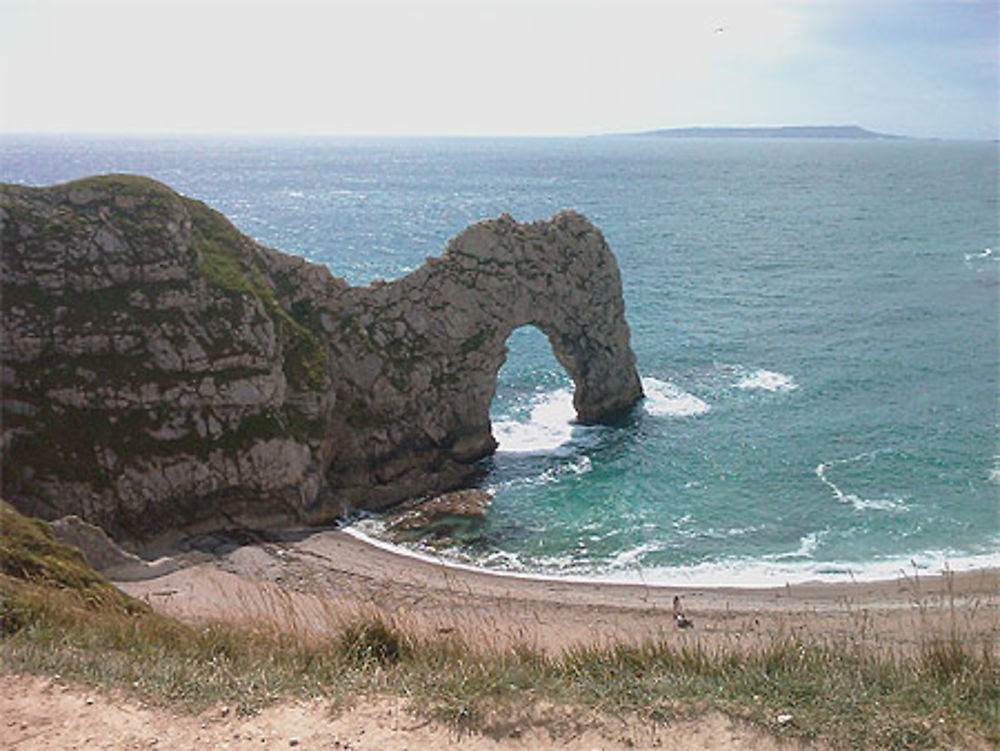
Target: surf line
<point x="860" y="504"/>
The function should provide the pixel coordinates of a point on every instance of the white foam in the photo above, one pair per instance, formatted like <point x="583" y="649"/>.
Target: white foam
<point x="580" y="467"/>
<point x="664" y="399"/>
<point x="767" y="380"/>
<point x="859" y="503"/>
<point x="503" y="559"/>
<point x="630" y="558"/>
<point x="807" y="546"/>
<point x="549" y="426"/>
<point x="740" y="573"/>
<point x="984" y="254"/>
<point x="736" y="573"/>
<point x="711" y="533"/>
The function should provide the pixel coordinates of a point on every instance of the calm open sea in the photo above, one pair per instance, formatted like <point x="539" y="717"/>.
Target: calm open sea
<point x="816" y="325"/>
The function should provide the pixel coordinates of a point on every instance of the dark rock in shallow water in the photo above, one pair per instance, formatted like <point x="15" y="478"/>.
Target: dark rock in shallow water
<point x="443" y="520"/>
<point x="163" y="371"/>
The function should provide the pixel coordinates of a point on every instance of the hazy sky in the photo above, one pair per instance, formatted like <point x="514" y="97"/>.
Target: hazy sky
<point x="546" y="67"/>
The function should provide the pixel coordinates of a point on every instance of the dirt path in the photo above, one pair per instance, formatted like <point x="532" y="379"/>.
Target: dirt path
<point x="45" y="714"/>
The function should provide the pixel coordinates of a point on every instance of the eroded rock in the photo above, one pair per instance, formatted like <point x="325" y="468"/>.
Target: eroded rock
<point x="161" y="370"/>
<point x="441" y="520"/>
<point x="104" y="555"/>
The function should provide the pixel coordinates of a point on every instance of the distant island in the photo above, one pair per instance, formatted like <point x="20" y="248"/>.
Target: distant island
<point x="787" y="131"/>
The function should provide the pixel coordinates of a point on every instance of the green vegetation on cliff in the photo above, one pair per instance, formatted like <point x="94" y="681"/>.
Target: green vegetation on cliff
<point x="143" y="334"/>
<point x="141" y="210"/>
<point x="33" y="562"/>
<point x="226" y="262"/>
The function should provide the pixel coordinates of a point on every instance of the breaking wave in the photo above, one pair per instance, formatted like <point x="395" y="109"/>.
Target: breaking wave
<point x="548" y="427"/>
<point x="767" y="380"/>
<point x="735" y="572"/>
<point x="664" y="399"/>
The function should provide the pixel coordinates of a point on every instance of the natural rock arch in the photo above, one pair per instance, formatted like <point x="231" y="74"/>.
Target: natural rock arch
<point x="448" y="323"/>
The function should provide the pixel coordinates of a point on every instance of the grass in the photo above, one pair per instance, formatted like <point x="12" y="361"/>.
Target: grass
<point x="846" y="696"/>
<point x="33" y="561"/>
<point x="224" y="261"/>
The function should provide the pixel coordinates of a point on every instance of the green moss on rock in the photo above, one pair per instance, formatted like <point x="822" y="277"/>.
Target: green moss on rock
<point x="226" y="262"/>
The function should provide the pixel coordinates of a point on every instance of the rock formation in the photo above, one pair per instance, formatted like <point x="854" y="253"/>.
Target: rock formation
<point x="104" y="555"/>
<point x="159" y="369"/>
<point x="456" y="517"/>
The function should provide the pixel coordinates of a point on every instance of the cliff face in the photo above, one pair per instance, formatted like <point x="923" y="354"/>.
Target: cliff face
<point x="161" y="369"/>
<point x="150" y="376"/>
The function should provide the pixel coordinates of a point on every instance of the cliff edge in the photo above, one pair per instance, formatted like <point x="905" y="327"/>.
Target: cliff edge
<point x="161" y="370"/>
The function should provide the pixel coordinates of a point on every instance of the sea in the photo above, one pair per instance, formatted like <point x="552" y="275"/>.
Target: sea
<point x="815" y="322"/>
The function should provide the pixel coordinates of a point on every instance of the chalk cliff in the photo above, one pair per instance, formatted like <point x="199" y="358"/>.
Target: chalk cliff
<point x="161" y="370"/>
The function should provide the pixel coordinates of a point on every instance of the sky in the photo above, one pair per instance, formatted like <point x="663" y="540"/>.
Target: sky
<point x="496" y="67"/>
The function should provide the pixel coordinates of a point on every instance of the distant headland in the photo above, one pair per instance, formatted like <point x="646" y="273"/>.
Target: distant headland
<point x="786" y="131"/>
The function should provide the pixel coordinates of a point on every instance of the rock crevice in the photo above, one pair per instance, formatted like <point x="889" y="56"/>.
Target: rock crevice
<point x="160" y="369"/>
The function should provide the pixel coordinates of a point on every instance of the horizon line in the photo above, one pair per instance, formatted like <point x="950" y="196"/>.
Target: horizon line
<point x="486" y="135"/>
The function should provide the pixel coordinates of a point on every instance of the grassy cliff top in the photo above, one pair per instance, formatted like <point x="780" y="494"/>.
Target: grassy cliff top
<point x="32" y="559"/>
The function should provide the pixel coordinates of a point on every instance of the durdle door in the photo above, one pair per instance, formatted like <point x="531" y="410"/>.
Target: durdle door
<point x="160" y="370"/>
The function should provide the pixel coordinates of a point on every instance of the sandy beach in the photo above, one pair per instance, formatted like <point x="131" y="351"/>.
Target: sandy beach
<point x="310" y="579"/>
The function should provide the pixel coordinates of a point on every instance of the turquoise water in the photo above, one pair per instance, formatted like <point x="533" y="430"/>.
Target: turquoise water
<point x="815" y="323"/>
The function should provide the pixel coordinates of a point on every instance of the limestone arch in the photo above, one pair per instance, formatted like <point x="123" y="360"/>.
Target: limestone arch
<point x="559" y="277"/>
<point x="431" y="346"/>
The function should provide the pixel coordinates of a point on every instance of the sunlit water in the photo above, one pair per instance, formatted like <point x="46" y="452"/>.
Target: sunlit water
<point x="815" y="325"/>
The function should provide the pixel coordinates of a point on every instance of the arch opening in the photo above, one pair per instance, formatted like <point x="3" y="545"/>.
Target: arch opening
<point x="532" y="406"/>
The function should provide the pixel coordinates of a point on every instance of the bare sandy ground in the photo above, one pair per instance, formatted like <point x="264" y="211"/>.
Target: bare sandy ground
<point x="42" y="714"/>
<point x="313" y="582"/>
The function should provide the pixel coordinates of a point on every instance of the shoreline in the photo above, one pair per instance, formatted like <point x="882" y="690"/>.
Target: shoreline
<point x="930" y="583"/>
<point x="651" y="577"/>
<point x="310" y="582"/>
